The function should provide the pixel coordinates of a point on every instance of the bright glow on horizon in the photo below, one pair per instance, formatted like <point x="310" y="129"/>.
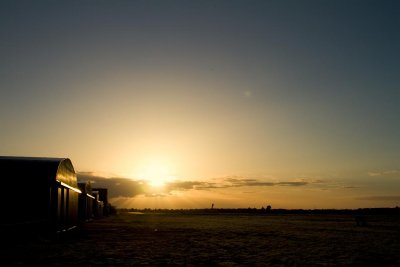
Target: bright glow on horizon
<point x="156" y="173"/>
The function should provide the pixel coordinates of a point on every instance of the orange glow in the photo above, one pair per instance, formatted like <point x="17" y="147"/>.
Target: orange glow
<point x="156" y="173"/>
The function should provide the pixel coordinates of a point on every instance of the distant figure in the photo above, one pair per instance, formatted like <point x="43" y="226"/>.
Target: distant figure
<point x="212" y="206"/>
<point x="361" y="220"/>
<point x="268" y="209"/>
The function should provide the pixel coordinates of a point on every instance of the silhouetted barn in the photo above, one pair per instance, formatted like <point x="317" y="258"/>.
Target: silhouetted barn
<point x="86" y="200"/>
<point x="98" y="206"/>
<point x="103" y="196"/>
<point x="39" y="191"/>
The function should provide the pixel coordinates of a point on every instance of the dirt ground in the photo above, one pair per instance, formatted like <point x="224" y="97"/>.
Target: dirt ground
<point x="131" y="239"/>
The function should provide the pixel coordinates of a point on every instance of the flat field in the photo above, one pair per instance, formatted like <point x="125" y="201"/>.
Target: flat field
<point x="166" y="239"/>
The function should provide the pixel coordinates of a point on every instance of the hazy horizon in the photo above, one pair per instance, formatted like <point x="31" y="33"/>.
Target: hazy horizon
<point x="180" y="104"/>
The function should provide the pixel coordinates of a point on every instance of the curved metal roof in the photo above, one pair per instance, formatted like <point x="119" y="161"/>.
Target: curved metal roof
<point x="40" y="170"/>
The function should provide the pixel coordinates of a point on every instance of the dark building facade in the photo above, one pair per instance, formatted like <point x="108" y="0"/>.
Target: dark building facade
<point x="103" y="197"/>
<point x="39" y="191"/>
<point x="86" y="201"/>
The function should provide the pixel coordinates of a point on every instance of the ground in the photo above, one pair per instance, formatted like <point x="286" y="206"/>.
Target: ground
<point x="165" y="239"/>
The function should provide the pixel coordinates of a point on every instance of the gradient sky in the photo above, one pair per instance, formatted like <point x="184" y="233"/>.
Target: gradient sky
<point x="180" y="104"/>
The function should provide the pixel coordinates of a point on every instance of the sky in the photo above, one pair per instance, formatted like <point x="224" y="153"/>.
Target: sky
<point x="181" y="104"/>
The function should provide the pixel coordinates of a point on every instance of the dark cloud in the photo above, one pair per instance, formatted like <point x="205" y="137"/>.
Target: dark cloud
<point x="241" y="182"/>
<point x="380" y="198"/>
<point x="185" y="185"/>
<point x="350" y="187"/>
<point x="227" y="183"/>
<point x="208" y="186"/>
<point x="254" y="183"/>
<point x="292" y="183"/>
<point x="196" y="185"/>
<point x="117" y="186"/>
<point x="125" y="187"/>
<point x="247" y="182"/>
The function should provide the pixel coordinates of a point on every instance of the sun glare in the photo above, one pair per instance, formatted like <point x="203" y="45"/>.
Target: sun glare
<point x="157" y="174"/>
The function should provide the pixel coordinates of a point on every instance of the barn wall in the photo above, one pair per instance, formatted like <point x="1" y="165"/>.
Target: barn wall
<point x="40" y="191"/>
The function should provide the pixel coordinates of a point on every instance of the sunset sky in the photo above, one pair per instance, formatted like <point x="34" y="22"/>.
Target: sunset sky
<point x="180" y="104"/>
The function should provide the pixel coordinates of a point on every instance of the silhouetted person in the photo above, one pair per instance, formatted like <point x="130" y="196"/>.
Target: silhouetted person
<point x="212" y="206"/>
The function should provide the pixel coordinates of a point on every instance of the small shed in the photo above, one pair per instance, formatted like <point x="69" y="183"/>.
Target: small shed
<point x="39" y="191"/>
<point x="103" y="197"/>
<point x="86" y="200"/>
<point x="98" y="206"/>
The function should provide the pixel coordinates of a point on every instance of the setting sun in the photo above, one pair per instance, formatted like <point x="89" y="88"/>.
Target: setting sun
<point x="156" y="173"/>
